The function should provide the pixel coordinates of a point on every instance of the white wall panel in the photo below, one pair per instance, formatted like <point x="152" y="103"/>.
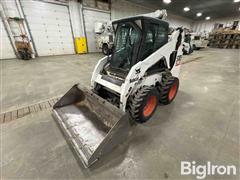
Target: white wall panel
<point x="90" y="17"/>
<point x="6" y="50"/>
<point x="50" y="27"/>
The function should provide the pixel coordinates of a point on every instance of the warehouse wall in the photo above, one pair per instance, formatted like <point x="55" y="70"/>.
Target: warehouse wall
<point x="207" y="26"/>
<point x="122" y="8"/>
<point x="50" y="27"/>
<point x="41" y="16"/>
<point x="48" y="23"/>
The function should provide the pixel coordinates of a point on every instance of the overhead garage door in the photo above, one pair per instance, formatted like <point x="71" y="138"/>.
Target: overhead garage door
<point x="6" y="50"/>
<point x="50" y="27"/>
<point x="90" y="17"/>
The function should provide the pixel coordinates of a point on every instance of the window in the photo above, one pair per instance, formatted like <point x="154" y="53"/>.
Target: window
<point x="126" y="41"/>
<point x="156" y="37"/>
<point x="196" y="37"/>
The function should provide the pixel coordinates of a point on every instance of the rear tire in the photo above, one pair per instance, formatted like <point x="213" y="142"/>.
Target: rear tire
<point x="184" y="52"/>
<point x="168" y="89"/>
<point x="191" y="50"/>
<point x="143" y="103"/>
<point x="105" y="49"/>
<point x="194" y="47"/>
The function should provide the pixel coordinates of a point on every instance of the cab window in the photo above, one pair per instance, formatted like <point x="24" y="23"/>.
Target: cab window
<point x="156" y="37"/>
<point x="127" y="38"/>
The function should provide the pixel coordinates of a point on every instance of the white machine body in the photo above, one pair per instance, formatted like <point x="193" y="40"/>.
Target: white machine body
<point x="199" y="41"/>
<point x="133" y="79"/>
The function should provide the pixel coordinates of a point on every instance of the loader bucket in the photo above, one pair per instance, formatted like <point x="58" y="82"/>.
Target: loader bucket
<point x="92" y="125"/>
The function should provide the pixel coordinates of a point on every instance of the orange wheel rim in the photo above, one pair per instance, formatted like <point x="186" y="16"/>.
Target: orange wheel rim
<point x="172" y="91"/>
<point x="150" y="106"/>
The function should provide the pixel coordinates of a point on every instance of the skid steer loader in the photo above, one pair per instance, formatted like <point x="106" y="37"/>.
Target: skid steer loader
<point x="127" y="85"/>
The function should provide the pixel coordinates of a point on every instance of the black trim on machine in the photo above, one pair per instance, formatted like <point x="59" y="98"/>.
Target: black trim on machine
<point x="112" y="80"/>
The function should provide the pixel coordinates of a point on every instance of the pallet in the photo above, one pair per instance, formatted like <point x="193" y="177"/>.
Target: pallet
<point x="225" y="39"/>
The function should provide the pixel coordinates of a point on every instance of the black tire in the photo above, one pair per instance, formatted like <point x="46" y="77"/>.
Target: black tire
<point x="28" y="55"/>
<point x="191" y="50"/>
<point x="194" y="47"/>
<point x="168" y="89"/>
<point x="105" y="49"/>
<point x="143" y="103"/>
<point x="24" y="54"/>
<point x="185" y="52"/>
<point x="21" y="54"/>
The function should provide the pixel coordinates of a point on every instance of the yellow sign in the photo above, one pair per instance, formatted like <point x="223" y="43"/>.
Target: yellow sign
<point x="81" y="45"/>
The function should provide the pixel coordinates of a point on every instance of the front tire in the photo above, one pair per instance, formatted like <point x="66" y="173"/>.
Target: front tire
<point x="143" y="103"/>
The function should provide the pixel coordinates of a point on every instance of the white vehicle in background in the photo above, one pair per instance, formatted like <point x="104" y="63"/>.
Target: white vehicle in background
<point x="104" y="36"/>
<point x="199" y="41"/>
<point x="187" y="44"/>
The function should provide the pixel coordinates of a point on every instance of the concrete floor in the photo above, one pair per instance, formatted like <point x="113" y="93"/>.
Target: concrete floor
<point x="201" y="125"/>
<point x="28" y="82"/>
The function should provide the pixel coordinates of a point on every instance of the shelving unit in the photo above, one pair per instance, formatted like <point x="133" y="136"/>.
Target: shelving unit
<point x="225" y="38"/>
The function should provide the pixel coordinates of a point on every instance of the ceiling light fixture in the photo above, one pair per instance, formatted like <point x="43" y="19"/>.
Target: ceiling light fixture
<point x="236" y="1"/>
<point x="186" y="9"/>
<point x="207" y="18"/>
<point x="199" y="14"/>
<point x="167" y="1"/>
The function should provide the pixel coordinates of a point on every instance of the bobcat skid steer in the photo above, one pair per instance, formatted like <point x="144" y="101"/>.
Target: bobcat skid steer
<point x="127" y="85"/>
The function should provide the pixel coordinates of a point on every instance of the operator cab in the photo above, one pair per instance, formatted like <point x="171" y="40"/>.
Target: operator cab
<point x="135" y="39"/>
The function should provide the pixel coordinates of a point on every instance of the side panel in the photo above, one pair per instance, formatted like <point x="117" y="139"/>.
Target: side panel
<point x="176" y="68"/>
<point x="148" y="81"/>
<point x="97" y="69"/>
